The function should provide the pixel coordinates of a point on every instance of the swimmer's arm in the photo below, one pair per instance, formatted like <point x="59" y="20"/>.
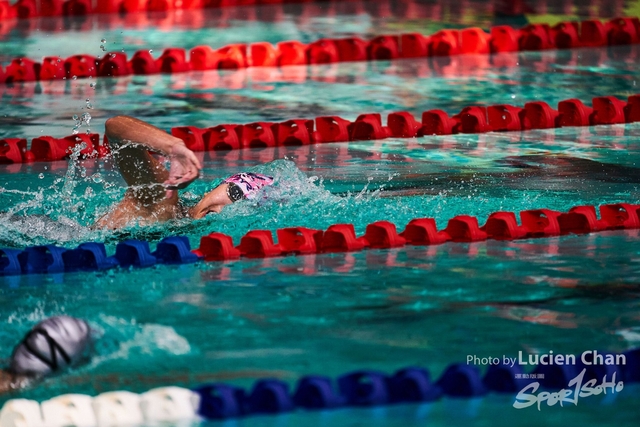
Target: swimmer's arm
<point x="129" y="129"/>
<point x="131" y="138"/>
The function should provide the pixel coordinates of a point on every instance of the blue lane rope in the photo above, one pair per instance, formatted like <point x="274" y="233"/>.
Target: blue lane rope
<point x="407" y="385"/>
<point x="92" y="256"/>
<point x="548" y="383"/>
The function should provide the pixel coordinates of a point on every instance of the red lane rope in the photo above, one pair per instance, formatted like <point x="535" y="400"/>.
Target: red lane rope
<point x="534" y="37"/>
<point x="421" y="232"/>
<point x="606" y="110"/>
<point x="26" y="9"/>
<point x="336" y="238"/>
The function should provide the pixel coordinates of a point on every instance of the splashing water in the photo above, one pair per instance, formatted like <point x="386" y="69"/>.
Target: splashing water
<point x="83" y="120"/>
<point x="63" y="211"/>
<point x="134" y="338"/>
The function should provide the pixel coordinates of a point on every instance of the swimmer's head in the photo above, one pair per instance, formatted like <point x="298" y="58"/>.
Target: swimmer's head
<point x="51" y="346"/>
<point x="213" y="201"/>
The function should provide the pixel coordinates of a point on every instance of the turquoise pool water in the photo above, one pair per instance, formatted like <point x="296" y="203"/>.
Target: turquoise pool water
<point x="380" y="309"/>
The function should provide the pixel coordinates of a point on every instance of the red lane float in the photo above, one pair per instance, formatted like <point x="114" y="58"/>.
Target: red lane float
<point x="565" y="35"/>
<point x="299" y="240"/>
<point x="256" y="135"/>
<point x="504" y="118"/>
<point x="52" y="69"/>
<point x="421" y="232"/>
<point x="222" y="137"/>
<point x="226" y="58"/>
<point x="608" y="110"/>
<point x="473" y="120"/>
<point x="540" y="222"/>
<point x="323" y="51"/>
<point x="192" y="137"/>
<point x="581" y="220"/>
<point x="49" y="149"/>
<point x="217" y="247"/>
<point x="352" y="49"/>
<point x="331" y="129"/>
<point x="368" y="127"/>
<point x="617" y="31"/>
<point x="114" y="65"/>
<point x="13" y="150"/>
<point x="294" y="132"/>
<point x="621" y="215"/>
<point x="81" y="66"/>
<point x="325" y="129"/>
<point x="574" y="113"/>
<point x="632" y="110"/>
<point x="414" y="45"/>
<point x="407" y="8"/>
<point x="383" y="234"/>
<point x="342" y="237"/>
<point x="504" y="226"/>
<point x="438" y="122"/>
<point x="258" y="244"/>
<point x="464" y="228"/>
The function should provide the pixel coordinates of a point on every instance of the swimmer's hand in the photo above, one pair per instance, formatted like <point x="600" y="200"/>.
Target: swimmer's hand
<point x="184" y="169"/>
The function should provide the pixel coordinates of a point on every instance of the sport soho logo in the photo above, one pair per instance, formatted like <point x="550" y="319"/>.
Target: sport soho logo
<point x="576" y="387"/>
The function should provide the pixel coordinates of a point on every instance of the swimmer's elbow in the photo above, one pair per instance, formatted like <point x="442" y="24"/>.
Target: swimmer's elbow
<point x="113" y="122"/>
<point x="115" y="127"/>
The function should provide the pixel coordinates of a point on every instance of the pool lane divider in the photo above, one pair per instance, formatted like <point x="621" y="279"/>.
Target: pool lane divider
<point x="605" y="110"/>
<point x="92" y="256"/>
<point x="444" y="43"/>
<point x="361" y="388"/>
<point x="26" y="9"/>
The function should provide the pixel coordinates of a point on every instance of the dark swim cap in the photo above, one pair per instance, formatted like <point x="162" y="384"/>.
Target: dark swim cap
<point x="52" y="345"/>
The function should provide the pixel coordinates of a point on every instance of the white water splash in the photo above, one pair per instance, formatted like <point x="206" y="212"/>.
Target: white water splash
<point x="83" y="120"/>
<point x="147" y="339"/>
<point x="631" y="335"/>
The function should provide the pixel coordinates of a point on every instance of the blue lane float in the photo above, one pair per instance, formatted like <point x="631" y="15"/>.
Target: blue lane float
<point x="92" y="256"/>
<point x="536" y="223"/>
<point x="408" y="385"/>
<point x="134" y="253"/>
<point x="555" y="376"/>
<point x="9" y="262"/>
<point x="175" y="250"/>
<point x="317" y="392"/>
<point x="221" y="401"/>
<point x="504" y="378"/>
<point x="88" y="256"/>
<point x="364" y="388"/>
<point x="270" y="396"/>
<point x="460" y="380"/>
<point x="413" y="384"/>
<point x="632" y="371"/>
<point x="42" y="259"/>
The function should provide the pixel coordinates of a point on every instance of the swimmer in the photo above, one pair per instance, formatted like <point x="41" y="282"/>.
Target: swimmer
<point x="152" y="195"/>
<point x="48" y="348"/>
